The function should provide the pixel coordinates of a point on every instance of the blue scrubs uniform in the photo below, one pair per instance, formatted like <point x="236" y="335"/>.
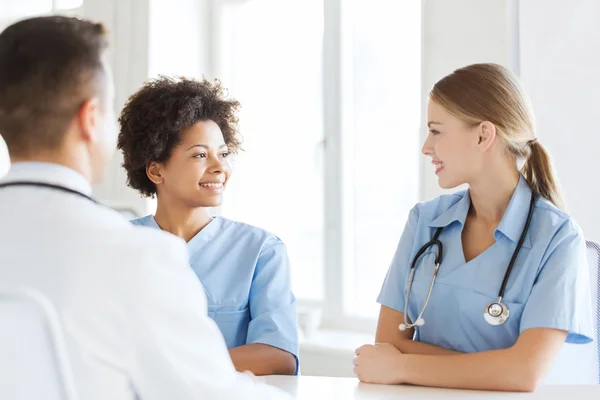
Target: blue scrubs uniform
<point x="548" y="286"/>
<point x="246" y="276"/>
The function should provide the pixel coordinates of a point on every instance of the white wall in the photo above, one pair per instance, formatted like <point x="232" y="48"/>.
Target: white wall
<point x="457" y="33"/>
<point x="560" y="61"/>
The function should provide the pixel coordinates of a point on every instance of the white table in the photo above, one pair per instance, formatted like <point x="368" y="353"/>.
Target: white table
<point x="316" y="388"/>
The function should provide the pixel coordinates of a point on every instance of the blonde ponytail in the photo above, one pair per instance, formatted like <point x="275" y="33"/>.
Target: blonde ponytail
<point x="540" y="175"/>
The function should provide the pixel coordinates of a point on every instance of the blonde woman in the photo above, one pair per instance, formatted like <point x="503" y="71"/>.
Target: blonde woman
<point x="488" y="283"/>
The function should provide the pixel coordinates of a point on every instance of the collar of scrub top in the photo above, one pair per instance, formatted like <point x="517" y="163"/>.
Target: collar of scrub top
<point x="512" y="223"/>
<point x="49" y="173"/>
<point x="201" y="238"/>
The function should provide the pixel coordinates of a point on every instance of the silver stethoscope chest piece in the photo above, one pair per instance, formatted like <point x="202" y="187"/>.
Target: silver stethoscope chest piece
<point x="496" y="313"/>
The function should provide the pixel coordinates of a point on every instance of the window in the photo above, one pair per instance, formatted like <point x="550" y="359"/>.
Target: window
<point x="271" y="62"/>
<point x="331" y="103"/>
<point x="386" y="116"/>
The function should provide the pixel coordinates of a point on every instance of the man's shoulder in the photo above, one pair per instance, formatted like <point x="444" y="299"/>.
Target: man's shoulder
<point x="144" y="243"/>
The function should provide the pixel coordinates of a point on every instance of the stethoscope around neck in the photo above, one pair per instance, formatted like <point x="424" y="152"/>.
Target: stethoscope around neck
<point x="495" y="313"/>
<point x="47" y="186"/>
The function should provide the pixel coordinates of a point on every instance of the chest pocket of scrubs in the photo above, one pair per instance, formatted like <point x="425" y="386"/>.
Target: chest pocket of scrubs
<point x="502" y="336"/>
<point x="233" y="324"/>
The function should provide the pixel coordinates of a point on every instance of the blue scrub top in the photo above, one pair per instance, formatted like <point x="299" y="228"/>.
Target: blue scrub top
<point x="246" y="276"/>
<point x="548" y="286"/>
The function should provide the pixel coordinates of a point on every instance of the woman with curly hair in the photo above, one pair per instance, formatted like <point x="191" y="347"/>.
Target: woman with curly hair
<point x="177" y="136"/>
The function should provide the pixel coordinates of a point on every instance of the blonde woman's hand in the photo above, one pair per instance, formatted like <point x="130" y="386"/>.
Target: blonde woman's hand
<point x="380" y="363"/>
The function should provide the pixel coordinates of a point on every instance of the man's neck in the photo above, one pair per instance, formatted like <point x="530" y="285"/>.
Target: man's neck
<point x="55" y="158"/>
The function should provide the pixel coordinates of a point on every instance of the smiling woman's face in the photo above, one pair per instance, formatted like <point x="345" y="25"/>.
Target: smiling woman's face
<point x="453" y="147"/>
<point x="198" y="169"/>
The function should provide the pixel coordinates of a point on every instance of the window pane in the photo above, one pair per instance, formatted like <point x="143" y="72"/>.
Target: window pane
<point x="14" y="9"/>
<point x="271" y="62"/>
<point x="387" y="112"/>
<point x="168" y="54"/>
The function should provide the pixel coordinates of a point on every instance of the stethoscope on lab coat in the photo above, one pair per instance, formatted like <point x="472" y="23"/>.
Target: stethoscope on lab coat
<point x="48" y="186"/>
<point x="495" y="313"/>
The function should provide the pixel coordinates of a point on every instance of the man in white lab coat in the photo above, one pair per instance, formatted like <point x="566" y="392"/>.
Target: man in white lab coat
<point x="133" y="312"/>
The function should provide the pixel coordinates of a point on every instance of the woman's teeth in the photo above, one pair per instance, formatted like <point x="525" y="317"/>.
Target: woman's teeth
<point x="212" y="185"/>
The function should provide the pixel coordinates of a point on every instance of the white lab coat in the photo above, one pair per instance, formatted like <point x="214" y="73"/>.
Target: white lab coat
<point x="133" y="312"/>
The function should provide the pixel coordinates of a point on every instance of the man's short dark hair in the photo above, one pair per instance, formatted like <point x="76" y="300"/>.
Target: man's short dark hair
<point x="49" y="66"/>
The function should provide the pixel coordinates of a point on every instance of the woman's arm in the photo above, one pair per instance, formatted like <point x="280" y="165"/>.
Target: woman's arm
<point x="518" y="368"/>
<point x="262" y="359"/>
<point x="388" y="332"/>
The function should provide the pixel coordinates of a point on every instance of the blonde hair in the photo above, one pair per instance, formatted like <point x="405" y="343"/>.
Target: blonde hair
<point x="489" y="92"/>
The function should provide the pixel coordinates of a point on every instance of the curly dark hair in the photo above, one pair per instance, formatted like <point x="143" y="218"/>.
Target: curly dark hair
<point x="153" y="117"/>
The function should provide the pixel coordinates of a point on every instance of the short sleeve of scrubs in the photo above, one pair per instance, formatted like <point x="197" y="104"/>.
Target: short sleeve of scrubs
<point x="560" y="297"/>
<point x="272" y="304"/>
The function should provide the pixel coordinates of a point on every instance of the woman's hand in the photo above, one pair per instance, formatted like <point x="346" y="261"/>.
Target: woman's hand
<point x="380" y="363"/>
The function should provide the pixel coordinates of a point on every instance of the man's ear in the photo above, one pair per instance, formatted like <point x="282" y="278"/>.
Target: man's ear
<point x="89" y="115"/>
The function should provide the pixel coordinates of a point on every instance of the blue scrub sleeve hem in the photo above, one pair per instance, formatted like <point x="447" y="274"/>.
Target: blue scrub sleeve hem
<point x="573" y="337"/>
<point x="398" y="306"/>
